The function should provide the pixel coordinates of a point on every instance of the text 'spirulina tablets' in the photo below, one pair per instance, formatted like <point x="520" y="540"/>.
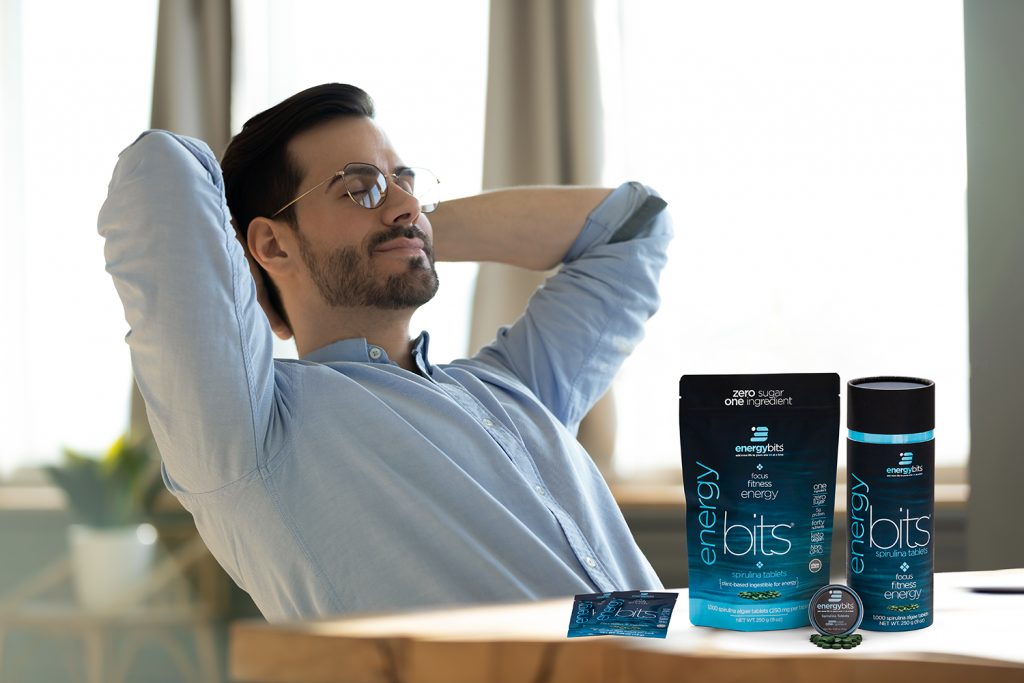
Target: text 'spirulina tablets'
<point x="759" y="473"/>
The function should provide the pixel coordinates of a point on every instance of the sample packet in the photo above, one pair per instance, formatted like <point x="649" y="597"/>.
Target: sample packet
<point x="621" y="613"/>
<point x="759" y="473"/>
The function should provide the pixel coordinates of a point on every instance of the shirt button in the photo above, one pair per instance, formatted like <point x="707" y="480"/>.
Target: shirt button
<point x="591" y="562"/>
<point x="375" y="353"/>
<point x="540" y="490"/>
<point x="487" y="422"/>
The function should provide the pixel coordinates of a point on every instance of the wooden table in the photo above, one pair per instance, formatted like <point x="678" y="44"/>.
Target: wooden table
<point x="975" y="637"/>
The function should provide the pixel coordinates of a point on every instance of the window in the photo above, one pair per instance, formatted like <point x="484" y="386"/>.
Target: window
<point x="814" y="159"/>
<point x="427" y="75"/>
<point x="813" y="156"/>
<point x="66" y="113"/>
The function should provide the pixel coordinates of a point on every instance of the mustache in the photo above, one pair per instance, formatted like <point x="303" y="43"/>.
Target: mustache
<point x="406" y="231"/>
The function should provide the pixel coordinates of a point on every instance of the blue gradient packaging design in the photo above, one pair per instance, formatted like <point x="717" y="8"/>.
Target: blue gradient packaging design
<point x="759" y="473"/>
<point x="584" y="608"/>
<point x="891" y="500"/>
<point x="622" y="613"/>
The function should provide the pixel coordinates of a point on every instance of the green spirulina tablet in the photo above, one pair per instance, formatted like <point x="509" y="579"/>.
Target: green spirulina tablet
<point x="759" y="595"/>
<point x="904" y="608"/>
<point x="847" y="642"/>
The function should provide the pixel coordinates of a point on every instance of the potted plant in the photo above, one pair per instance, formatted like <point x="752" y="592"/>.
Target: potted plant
<point x="110" y="497"/>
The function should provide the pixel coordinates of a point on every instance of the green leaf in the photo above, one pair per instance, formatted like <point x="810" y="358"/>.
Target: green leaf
<point x="114" y="489"/>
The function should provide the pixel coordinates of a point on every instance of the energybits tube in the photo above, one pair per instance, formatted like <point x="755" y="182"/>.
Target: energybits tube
<point x="890" y="459"/>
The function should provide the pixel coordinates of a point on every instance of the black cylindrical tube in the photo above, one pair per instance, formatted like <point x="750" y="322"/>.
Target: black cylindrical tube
<point x="891" y="500"/>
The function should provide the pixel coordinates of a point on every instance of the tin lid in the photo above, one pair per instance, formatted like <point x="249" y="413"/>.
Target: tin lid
<point x="890" y="405"/>
<point x="835" y="610"/>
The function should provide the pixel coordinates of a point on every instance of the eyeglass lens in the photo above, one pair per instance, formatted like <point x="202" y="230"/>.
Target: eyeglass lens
<point x="367" y="185"/>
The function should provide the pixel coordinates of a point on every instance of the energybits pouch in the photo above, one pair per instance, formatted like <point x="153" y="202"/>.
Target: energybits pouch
<point x="759" y="473"/>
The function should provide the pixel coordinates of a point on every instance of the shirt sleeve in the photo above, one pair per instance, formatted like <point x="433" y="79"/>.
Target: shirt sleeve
<point x="586" y="319"/>
<point x="200" y="345"/>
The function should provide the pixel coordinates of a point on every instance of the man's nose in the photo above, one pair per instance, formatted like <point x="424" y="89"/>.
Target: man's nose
<point x="400" y="207"/>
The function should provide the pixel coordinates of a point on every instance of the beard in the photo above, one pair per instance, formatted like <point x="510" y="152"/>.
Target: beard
<point x="346" y="277"/>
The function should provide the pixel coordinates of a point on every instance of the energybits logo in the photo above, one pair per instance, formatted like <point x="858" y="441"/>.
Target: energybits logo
<point x="905" y="467"/>
<point x="759" y="435"/>
<point x="835" y="603"/>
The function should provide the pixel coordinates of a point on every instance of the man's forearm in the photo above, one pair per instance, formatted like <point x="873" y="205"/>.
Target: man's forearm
<point x="529" y="227"/>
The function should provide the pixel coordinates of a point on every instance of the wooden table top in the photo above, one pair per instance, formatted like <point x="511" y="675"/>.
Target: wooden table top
<point x="975" y="637"/>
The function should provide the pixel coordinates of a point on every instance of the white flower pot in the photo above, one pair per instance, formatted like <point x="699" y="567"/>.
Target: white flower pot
<point x="107" y="562"/>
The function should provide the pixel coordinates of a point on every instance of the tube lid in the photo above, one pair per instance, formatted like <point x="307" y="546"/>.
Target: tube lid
<point x="890" y="405"/>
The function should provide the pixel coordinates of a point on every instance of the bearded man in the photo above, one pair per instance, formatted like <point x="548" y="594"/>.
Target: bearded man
<point x="363" y="477"/>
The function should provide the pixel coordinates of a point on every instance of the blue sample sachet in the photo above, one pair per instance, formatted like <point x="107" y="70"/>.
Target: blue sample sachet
<point x="584" y="608"/>
<point x="621" y="613"/>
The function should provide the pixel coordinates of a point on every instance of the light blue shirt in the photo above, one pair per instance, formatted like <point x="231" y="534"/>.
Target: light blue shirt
<point x="343" y="483"/>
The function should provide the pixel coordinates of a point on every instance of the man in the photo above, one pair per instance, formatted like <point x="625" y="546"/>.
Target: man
<point x="364" y="477"/>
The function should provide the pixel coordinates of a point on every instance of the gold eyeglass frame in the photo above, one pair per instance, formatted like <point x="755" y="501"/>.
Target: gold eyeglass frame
<point x="389" y="179"/>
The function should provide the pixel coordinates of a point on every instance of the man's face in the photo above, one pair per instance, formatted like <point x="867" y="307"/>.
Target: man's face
<point x="359" y="257"/>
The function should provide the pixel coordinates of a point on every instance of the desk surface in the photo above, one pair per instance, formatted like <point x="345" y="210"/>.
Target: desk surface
<point x="976" y="637"/>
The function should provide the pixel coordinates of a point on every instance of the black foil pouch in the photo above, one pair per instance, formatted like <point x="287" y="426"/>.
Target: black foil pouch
<point x="759" y="473"/>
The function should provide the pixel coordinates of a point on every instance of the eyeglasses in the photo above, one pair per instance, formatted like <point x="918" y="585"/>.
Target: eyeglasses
<point x="368" y="186"/>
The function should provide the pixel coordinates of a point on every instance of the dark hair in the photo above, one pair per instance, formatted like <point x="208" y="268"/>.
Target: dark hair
<point x="260" y="176"/>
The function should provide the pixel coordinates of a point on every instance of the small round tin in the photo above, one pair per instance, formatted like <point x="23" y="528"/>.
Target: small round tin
<point x="835" y="610"/>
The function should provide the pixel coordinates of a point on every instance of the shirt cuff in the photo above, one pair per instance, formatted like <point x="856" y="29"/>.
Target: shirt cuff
<point x="622" y="216"/>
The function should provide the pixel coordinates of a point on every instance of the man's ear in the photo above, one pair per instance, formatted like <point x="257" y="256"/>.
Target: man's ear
<point x="272" y="244"/>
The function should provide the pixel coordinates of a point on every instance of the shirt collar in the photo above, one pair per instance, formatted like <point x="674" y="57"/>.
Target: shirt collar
<point x="358" y="350"/>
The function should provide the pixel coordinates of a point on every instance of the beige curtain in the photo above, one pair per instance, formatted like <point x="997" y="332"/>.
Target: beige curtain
<point x="543" y="127"/>
<point x="191" y="96"/>
<point x="192" y="80"/>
